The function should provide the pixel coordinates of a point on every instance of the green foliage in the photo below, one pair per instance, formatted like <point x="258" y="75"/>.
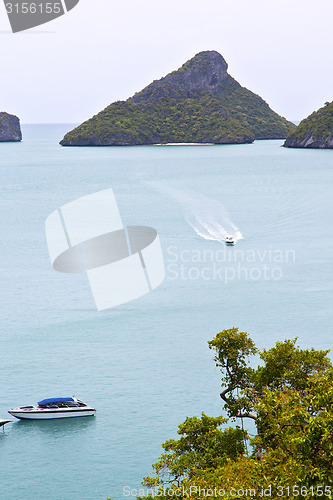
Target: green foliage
<point x="203" y="445"/>
<point x="299" y="424"/>
<point x="247" y="477"/>
<point x="318" y="127"/>
<point x="186" y="120"/>
<point x="289" y="396"/>
<point x="285" y="366"/>
<point x="288" y="366"/>
<point x="232" y="349"/>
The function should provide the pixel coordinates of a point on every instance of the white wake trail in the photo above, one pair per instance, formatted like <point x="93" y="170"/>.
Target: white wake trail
<point x="207" y="217"/>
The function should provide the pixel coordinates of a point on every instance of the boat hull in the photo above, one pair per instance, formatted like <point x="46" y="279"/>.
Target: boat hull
<point x="52" y="414"/>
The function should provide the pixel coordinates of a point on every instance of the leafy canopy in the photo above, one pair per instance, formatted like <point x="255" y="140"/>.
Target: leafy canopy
<point x="202" y="445"/>
<point x="284" y="366"/>
<point x="289" y="396"/>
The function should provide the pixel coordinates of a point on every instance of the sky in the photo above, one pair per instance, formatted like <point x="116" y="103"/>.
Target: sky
<point x="106" y="50"/>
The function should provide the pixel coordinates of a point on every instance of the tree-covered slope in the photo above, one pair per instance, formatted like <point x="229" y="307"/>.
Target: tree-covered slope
<point x="316" y="131"/>
<point x="198" y="103"/>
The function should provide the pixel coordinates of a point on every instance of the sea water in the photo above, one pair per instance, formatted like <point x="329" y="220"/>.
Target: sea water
<point x="145" y="365"/>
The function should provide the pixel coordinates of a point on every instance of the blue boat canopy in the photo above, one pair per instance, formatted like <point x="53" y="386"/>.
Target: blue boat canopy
<point x="54" y="400"/>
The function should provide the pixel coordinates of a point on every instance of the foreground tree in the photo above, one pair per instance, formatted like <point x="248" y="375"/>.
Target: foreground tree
<point x="289" y="396"/>
<point x="203" y="445"/>
<point x="285" y="366"/>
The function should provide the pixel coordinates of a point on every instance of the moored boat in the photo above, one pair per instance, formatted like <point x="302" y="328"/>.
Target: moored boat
<point x="54" y="408"/>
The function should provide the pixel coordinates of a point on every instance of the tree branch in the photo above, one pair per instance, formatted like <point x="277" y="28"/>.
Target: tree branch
<point x="228" y="371"/>
<point x="223" y="393"/>
<point x="247" y="415"/>
<point x="239" y="415"/>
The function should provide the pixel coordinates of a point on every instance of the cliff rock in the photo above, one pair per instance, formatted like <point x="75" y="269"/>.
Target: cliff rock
<point x="10" y="130"/>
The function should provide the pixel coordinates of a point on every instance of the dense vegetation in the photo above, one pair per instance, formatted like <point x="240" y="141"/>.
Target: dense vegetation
<point x="199" y="102"/>
<point x="315" y="131"/>
<point x="188" y="120"/>
<point x="288" y="397"/>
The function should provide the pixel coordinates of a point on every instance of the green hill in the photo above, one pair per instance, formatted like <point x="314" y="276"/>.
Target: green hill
<point x="315" y="132"/>
<point x="198" y="103"/>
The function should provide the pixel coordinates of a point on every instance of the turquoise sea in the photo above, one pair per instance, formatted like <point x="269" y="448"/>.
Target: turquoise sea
<point x="145" y="365"/>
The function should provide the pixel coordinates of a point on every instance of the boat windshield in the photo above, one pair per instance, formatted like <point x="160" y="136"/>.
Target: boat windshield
<point x="62" y="404"/>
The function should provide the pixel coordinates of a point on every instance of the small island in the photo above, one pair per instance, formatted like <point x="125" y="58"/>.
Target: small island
<point x="10" y="129"/>
<point x="198" y="103"/>
<point x="315" y="131"/>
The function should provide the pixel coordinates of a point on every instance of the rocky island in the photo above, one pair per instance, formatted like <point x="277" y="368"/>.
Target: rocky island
<point x="10" y="130"/>
<point x="315" y="131"/>
<point x="198" y="103"/>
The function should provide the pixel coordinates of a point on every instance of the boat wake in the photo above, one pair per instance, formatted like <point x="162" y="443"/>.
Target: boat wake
<point x="207" y="217"/>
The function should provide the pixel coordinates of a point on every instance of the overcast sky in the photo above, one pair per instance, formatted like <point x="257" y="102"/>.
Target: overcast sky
<point x="105" y="50"/>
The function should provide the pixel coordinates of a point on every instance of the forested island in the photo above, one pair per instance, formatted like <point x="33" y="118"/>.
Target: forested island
<point x="315" y="131"/>
<point x="198" y="103"/>
<point x="10" y="129"/>
<point x="288" y="397"/>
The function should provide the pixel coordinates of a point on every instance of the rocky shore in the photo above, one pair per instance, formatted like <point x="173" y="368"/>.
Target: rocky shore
<point x="10" y="129"/>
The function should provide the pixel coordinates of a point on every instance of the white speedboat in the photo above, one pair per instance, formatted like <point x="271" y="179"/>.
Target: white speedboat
<point x="229" y="240"/>
<point x="54" y="408"/>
